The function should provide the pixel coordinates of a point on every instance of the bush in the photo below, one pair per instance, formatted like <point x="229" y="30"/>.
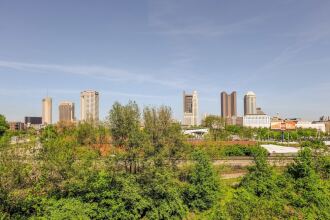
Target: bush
<point x="239" y="150"/>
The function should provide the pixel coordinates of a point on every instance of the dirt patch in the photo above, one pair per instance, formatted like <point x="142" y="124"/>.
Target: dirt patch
<point x="232" y="175"/>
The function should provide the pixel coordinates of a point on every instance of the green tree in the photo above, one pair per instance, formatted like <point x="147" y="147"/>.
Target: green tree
<point x="59" y="156"/>
<point x="247" y="133"/>
<point x="157" y="124"/>
<point x="216" y="126"/>
<point x="164" y="134"/>
<point x="3" y="125"/>
<point x="48" y="133"/>
<point x="18" y="172"/>
<point x="102" y="136"/>
<point x="234" y="129"/>
<point x="164" y="193"/>
<point x="203" y="185"/>
<point x="261" y="179"/>
<point x="314" y="144"/>
<point x="262" y="133"/>
<point x="242" y="204"/>
<point x="65" y="209"/>
<point x="323" y="167"/>
<point x="116" y="197"/>
<point x="309" y="193"/>
<point x="259" y="193"/>
<point x="86" y="133"/>
<point x="124" y="122"/>
<point x="303" y="166"/>
<point x="137" y="142"/>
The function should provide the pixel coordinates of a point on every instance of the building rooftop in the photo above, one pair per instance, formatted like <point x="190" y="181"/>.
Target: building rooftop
<point x="277" y="149"/>
<point x="250" y="93"/>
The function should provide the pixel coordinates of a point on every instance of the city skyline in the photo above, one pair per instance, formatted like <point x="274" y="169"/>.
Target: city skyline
<point x="152" y="53"/>
<point x="55" y="115"/>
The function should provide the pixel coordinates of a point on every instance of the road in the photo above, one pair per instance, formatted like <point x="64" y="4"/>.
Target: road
<point x="246" y="161"/>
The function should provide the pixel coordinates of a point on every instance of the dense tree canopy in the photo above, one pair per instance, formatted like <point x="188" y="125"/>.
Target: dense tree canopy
<point x="140" y="166"/>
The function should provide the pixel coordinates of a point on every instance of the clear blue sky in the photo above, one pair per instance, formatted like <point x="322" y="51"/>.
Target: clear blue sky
<point x="150" y="51"/>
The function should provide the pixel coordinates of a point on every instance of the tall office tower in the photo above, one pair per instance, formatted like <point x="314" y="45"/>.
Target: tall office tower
<point x="228" y="105"/>
<point x="250" y="104"/>
<point x="89" y="105"/>
<point x="47" y="111"/>
<point x="66" y="111"/>
<point x="190" y="109"/>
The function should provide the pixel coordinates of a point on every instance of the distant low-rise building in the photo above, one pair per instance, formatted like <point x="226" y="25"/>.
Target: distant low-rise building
<point x="259" y="111"/>
<point x="256" y="121"/>
<point x="35" y="122"/>
<point x="320" y="126"/>
<point x="327" y="126"/>
<point x="276" y="119"/>
<point x="326" y="121"/>
<point x="283" y="124"/>
<point x="16" y="126"/>
<point x="234" y="121"/>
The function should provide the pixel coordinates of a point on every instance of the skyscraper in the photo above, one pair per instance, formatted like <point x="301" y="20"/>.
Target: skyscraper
<point x="190" y="109"/>
<point x="228" y="105"/>
<point x="89" y="104"/>
<point x="47" y="110"/>
<point x="250" y="104"/>
<point x="66" y="111"/>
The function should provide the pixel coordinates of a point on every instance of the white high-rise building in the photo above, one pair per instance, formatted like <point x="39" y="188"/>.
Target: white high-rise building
<point x="190" y="109"/>
<point x="250" y="104"/>
<point x="89" y="105"/>
<point x="47" y="111"/>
